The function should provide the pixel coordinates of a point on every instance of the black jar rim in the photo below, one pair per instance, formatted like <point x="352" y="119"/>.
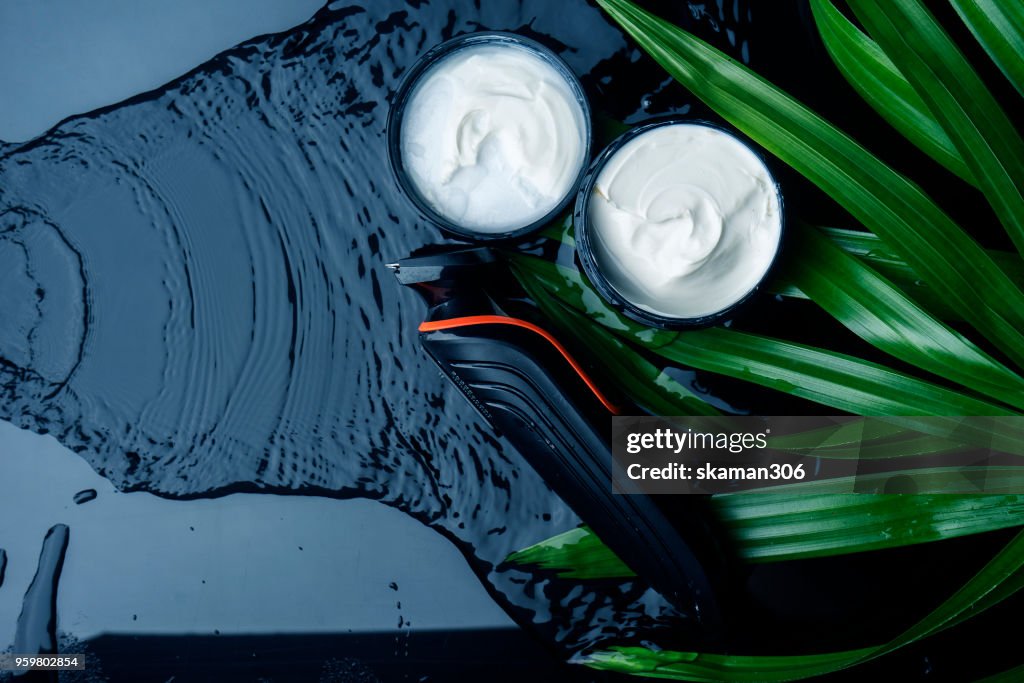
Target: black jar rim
<point x="396" y="114"/>
<point x="585" y="245"/>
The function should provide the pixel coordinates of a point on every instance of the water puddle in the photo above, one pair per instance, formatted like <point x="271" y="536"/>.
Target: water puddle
<point x="194" y="296"/>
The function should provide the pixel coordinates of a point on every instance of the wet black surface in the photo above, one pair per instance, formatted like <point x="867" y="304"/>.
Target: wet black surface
<point x="197" y="302"/>
<point x="498" y="656"/>
<point x="194" y="294"/>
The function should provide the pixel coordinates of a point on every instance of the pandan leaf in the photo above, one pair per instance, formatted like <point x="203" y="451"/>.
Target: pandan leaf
<point x="1014" y="675"/>
<point x="873" y="251"/>
<point x="644" y="383"/>
<point x="873" y="75"/>
<point x="999" y="27"/>
<point x="999" y="579"/>
<point x="940" y="73"/>
<point x="575" y="554"/>
<point x="882" y="315"/>
<point x="837" y="380"/>
<point x="821" y="519"/>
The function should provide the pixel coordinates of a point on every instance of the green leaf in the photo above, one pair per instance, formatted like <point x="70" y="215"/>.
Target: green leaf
<point x="837" y="380"/>
<point x="999" y="579"/>
<point x="1014" y="675"/>
<point x="715" y="668"/>
<point x="575" y="554"/>
<point x="848" y="437"/>
<point x="834" y="379"/>
<point x="646" y="385"/>
<point x="883" y="200"/>
<point x="569" y="286"/>
<point x="901" y="437"/>
<point x="821" y="519"/>
<point x="882" y="440"/>
<point x="999" y="27"/>
<point x="873" y="251"/>
<point x="959" y="100"/>
<point x="879" y="313"/>
<point x="873" y="75"/>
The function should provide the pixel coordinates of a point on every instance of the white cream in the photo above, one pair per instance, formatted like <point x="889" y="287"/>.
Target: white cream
<point x="493" y="137"/>
<point x="685" y="220"/>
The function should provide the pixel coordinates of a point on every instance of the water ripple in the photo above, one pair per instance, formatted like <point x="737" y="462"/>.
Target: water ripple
<point x="194" y="298"/>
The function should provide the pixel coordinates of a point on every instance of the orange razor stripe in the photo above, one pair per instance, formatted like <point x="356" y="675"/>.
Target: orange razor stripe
<point x="467" y="321"/>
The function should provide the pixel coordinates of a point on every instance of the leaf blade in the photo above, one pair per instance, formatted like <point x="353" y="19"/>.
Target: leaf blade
<point x="940" y="73"/>
<point x="574" y="554"/>
<point x="999" y="27"/>
<point x="999" y="579"/>
<point x="873" y="75"/>
<point x="837" y="380"/>
<point x="878" y="312"/>
<point x="645" y="384"/>
<point x="869" y="248"/>
<point x="801" y="522"/>
<point x="825" y="519"/>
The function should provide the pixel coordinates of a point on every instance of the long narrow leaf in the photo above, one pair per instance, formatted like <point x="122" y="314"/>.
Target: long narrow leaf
<point x="959" y="100"/>
<point x="1003" y="575"/>
<point x="816" y="521"/>
<point x="999" y="579"/>
<point x="645" y="384"/>
<point x="876" y="253"/>
<point x="1014" y="675"/>
<point x="837" y="380"/>
<point x="873" y="75"/>
<point x="902" y="437"/>
<point x="878" y="312"/>
<point x="800" y="522"/>
<point x="843" y="382"/>
<point x="999" y="27"/>
<point x="660" y="394"/>
<point x="883" y="200"/>
<point x="906" y="445"/>
<point x="574" y="554"/>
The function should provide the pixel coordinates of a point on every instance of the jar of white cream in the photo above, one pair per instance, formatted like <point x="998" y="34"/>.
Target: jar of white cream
<point x="678" y="223"/>
<point x="489" y="135"/>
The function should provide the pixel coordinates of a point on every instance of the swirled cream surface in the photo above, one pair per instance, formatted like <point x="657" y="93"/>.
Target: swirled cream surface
<point x="493" y="137"/>
<point x="685" y="220"/>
